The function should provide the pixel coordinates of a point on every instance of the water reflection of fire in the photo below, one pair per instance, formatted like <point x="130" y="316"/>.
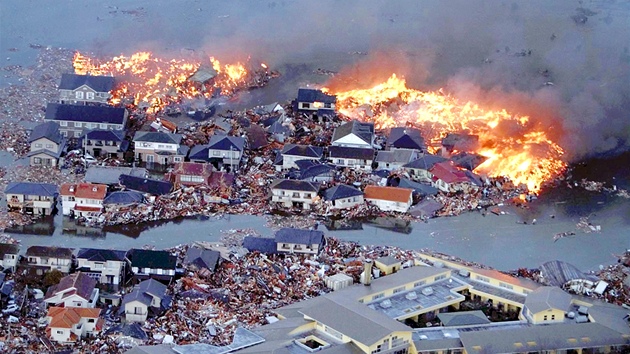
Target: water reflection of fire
<point x="513" y="145"/>
<point x="155" y="82"/>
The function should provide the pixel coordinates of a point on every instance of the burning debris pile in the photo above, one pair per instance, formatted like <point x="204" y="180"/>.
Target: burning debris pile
<point x="512" y="145"/>
<point x="146" y="81"/>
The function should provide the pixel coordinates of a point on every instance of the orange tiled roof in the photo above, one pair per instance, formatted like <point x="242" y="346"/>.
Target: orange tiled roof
<point x="66" y="317"/>
<point x="84" y="190"/>
<point x="393" y="194"/>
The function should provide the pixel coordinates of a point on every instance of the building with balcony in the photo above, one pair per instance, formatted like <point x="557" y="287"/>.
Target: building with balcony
<point x="74" y="119"/>
<point x="158" y="148"/>
<point x="74" y="290"/>
<point x="31" y="198"/>
<point x="103" y="265"/>
<point x="105" y="143"/>
<point x="70" y="324"/>
<point x="83" y="200"/>
<point x="82" y="89"/>
<point x="292" y="193"/>
<point x="43" y="259"/>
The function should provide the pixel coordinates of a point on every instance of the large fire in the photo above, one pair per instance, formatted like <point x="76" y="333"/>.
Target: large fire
<point x="155" y="82"/>
<point x="513" y="145"/>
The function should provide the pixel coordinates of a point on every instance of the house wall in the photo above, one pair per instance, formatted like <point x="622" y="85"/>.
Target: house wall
<point x="45" y="144"/>
<point x="150" y="156"/>
<point x="61" y="264"/>
<point x="74" y="129"/>
<point x="297" y="248"/>
<point x="106" y="147"/>
<point x="351" y="140"/>
<point x="41" y="205"/>
<point x="315" y="106"/>
<point x="517" y="289"/>
<point x="153" y="271"/>
<point x="548" y="316"/>
<point x="83" y="95"/>
<point x="365" y="165"/>
<point x="288" y="197"/>
<point x="226" y="154"/>
<point x="288" y="161"/>
<point x="9" y="261"/>
<point x="387" y="269"/>
<point x="101" y="270"/>
<point x="346" y="202"/>
<point x="418" y="174"/>
<point x="61" y="335"/>
<point x="387" y="205"/>
<point x="88" y="326"/>
<point x="67" y="204"/>
<point x="136" y="311"/>
<point x="42" y="159"/>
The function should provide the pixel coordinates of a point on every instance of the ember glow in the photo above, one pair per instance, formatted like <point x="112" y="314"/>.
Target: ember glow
<point x="155" y="82"/>
<point x="514" y="147"/>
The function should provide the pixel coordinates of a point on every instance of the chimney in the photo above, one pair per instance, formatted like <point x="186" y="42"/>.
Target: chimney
<point x="366" y="276"/>
<point x="71" y="189"/>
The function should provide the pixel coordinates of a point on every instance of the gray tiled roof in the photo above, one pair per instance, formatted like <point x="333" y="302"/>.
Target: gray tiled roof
<point x="547" y="297"/>
<point x="48" y="130"/>
<point x="46" y="251"/>
<point x="305" y="237"/>
<point x="341" y="191"/>
<point x="95" y="82"/>
<point x="158" y="137"/>
<point x="294" y="185"/>
<point x="28" y="188"/>
<point x="365" y="131"/>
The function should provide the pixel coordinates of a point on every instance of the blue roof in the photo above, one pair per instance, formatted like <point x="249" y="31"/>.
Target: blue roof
<point x="146" y="185"/>
<point x="303" y="150"/>
<point x="316" y="170"/>
<point x="81" y="113"/>
<point x="425" y="162"/>
<point x="151" y="259"/>
<point x="310" y="95"/>
<point x="100" y="255"/>
<point x="301" y="236"/>
<point x="225" y="142"/>
<point x="104" y="135"/>
<point x="48" y="130"/>
<point x="153" y="287"/>
<point x="341" y="191"/>
<point x="202" y="258"/>
<point x="294" y="185"/>
<point x="97" y="83"/>
<point x="199" y="152"/>
<point x="158" y="137"/>
<point x="28" y="188"/>
<point x="124" y="197"/>
<point x="422" y="189"/>
<point x="260" y="244"/>
<point x="407" y="138"/>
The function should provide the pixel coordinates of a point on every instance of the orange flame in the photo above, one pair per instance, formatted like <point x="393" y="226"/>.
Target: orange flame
<point x="525" y="155"/>
<point x="156" y="82"/>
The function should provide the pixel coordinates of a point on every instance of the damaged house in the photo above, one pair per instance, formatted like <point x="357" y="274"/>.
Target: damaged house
<point x="47" y="145"/>
<point x="448" y="178"/>
<point x="83" y="200"/>
<point x="83" y="89"/>
<point x="292" y="153"/>
<point x="394" y="159"/>
<point x="147" y="298"/>
<point x="406" y="138"/>
<point x="351" y="157"/>
<point x="107" y="143"/>
<point x="31" y="198"/>
<point x="222" y="151"/>
<point x="290" y="240"/>
<point x="419" y="169"/>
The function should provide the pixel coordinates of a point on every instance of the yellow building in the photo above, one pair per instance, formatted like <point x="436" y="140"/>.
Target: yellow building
<point x="388" y="265"/>
<point x="547" y="304"/>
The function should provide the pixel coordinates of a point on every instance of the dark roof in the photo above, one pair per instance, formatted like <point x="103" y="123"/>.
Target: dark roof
<point x="146" y="185"/>
<point x="133" y="330"/>
<point x="406" y="138"/>
<point x="304" y="164"/>
<point x="200" y="152"/>
<point x="395" y="156"/>
<point x="427" y="207"/>
<point x="124" y="197"/>
<point x="28" y="188"/>
<point x="158" y="137"/>
<point x="316" y="170"/>
<point x="134" y="295"/>
<point x="310" y="95"/>
<point x="303" y="150"/>
<point x="351" y="152"/>
<point x="111" y="175"/>
<point x="104" y="135"/>
<point x="341" y="191"/>
<point x="80" y="281"/>
<point x="422" y="189"/>
<point x="153" y="287"/>
<point x="101" y="255"/>
<point x="151" y="259"/>
<point x="304" y="237"/>
<point x="468" y="160"/>
<point x="226" y="143"/>
<point x="425" y="162"/>
<point x="365" y="131"/>
<point x="260" y="244"/>
<point x="97" y="83"/>
<point x="558" y="273"/>
<point x="295" y="185"/>
<point x="49" y="251"/>
<point x="81" y="113"/>
<point x="202" y="258"/>
<point x="48" y="130"/>
<point x="464" y="318"/>
<point x="8" y="248"/>
<point x="278" y="128"/>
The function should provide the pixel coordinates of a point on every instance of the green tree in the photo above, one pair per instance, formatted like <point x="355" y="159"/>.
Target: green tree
<point x="52" y="278"/>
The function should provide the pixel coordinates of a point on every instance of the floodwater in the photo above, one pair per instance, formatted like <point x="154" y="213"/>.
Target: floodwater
<point x="280" y="33"/>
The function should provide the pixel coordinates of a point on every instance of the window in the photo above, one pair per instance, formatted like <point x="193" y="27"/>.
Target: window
<point x="177" y="159"/>
<point x="37" y="160"/>
<point x="78" y="95"/>
<point x="77" y="134"/>
<point x="38" y="146"/>
<point x="63" y="123"/>
<point x="545" y="318"/>
<point x="59" y="332"/>
<point x="440" y="277"/>
<point x="89" y="95"/>
<point x="216" y="153"/>
<point x="307" y="195"/>
<point x="398" y="290"/>
<point x="296" y="195"/>
<point x="49" y="146"/>
<point x="78" y="124"/>
<point x="483" y="279"/>
<point x="306" y="105"/>
<point x="137" y="310"/>
<point x="90" y="320"/>
<point x="553" y="317"/>
<point x="507" y="286"/>
<point x="103" y="126"/>
<point x="327" y="105"/>
<point x="419" y="283"/>
<point x="378" y="296"/>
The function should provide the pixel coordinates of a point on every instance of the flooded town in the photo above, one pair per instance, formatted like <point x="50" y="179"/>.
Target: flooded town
<point x="172" y="200"/>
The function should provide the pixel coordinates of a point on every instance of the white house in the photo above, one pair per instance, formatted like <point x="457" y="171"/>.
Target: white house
<point x="74" y="290"/>
<point x="83" y="199"/>
<point x="394" y="159"/>
<point x="47" y="145"/>
<point x="45" y="258"/>
<point x="389" y="198"/>
<point x="31" y="198"/>
<point x="354" y="134"/>
<point x="294" y="193"/>
<point x="292" y="152"/>
<point x="148" y="297"/>
<point x="81" y="89"/>
<point x="355" y="158"/>
<point x="226" y="150"/>
<point x="9" y="255"/>
<point x="343" y="196"/>
<point x="159" y="148"/>
<point x="290" y="240"/>
<point x="69" y="324"/>
<point x="104" y="266"/>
